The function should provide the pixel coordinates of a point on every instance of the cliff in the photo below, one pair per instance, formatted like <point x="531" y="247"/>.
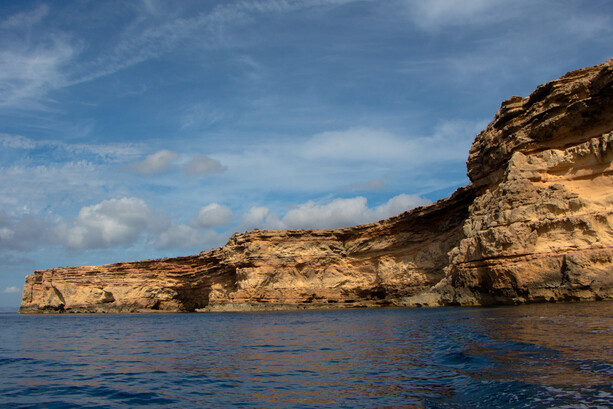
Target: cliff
<point x="534" y="225"/>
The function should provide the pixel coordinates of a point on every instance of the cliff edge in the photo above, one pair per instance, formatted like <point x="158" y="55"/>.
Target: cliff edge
<point x="534" y="225"/>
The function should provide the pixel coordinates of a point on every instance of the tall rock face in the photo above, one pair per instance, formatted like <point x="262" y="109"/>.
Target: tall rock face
<point x="540" y="228"/>
<point x="535" y="224"/>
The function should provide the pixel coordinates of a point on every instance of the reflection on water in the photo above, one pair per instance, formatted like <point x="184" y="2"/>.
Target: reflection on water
<point x="550" y="355"/>
<point x="578" y="336"/>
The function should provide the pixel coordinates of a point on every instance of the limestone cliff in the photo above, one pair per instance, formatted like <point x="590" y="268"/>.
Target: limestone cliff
<point x="535" y="224"/>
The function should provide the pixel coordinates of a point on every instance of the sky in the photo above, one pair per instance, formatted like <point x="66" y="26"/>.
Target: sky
<point x="148" y="128"/>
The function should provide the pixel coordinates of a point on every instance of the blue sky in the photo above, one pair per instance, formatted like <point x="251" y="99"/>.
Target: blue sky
<point x="143" y="129"/>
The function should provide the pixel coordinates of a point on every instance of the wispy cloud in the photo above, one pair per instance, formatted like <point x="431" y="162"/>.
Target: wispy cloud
<point x="335" y="160"/>
<point x="25" y="19"/>
<point x="109" y="152"/>
<point x="16" y="142"/>
<point x="436" y="14"/>
<point x="154" y="37"/>
<point x="45" y="61"/>
<point x="28" y="72"/>
<point x="201" y="116"/>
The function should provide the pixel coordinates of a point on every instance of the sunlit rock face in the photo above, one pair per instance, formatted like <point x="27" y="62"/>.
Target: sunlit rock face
<point x="535" y="224"/>
<point x="540" y="227"/>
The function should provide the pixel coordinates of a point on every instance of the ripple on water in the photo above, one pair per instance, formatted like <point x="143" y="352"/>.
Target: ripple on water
<point x="522" y="357"/>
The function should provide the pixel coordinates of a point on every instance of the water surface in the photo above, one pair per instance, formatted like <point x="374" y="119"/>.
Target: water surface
<point x="537" y="356"/>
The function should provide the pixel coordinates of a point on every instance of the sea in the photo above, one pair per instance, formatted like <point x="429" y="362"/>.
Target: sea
<point x="529" y="356"/>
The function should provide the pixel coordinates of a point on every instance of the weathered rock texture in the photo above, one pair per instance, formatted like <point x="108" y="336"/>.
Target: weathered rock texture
<point x="535" y="224"/>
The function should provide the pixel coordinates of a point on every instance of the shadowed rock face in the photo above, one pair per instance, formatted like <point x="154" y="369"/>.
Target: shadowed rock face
<point x="534" y="225"/>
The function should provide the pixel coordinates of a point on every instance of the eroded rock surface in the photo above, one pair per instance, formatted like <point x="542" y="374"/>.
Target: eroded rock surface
<point x="534" y="225"/>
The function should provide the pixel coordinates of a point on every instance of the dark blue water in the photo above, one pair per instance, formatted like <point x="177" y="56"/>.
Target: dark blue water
<point x="538" y="356"/>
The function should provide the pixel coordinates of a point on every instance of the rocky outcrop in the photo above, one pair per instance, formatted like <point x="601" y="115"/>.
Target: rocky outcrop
<point x="534" y="225"/>
<point x="368" y="265"/>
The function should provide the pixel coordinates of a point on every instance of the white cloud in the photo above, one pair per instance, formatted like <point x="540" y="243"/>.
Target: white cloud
<point x="255" y="218"/>
<point x="111" y="152"/>
<point x="11" y="290"/>
<point x="158" y="162"/>
<point x="203" y="165"/>
<point x="178" y="236"/>
<point x="213" y="215"/>
<point x="335" y="160"/>
<point x="398" y="204"/>
<point x="433" y="14"/>
<point x="16" y="142"/>
<point x="338" y="213"/>
<point x="106" y="224"/>
<point x="449" y="141"/>
<point x="347" y="212"/>
<point x="355" y="144"/>
<point x="126" y="221"/>
<point x="551" y="16"/>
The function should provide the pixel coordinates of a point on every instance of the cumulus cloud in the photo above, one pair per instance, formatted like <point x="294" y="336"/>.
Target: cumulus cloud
<point x="398" y="204"/>
<point x="337" y="213"/>
<point x="186" y="237"/>
<point x="106" y="224"/>
<point x="256" y="217"/>
<point x="213" y="215"/>
<point x="178" y="236"/>
<point x="11" y="290"/>
<point x="21" y="233"/>
<point x="126" y="221"/>
<point x="347" y="212"/>
<point x="158" y="162"/>
<point x="203" y="165"/>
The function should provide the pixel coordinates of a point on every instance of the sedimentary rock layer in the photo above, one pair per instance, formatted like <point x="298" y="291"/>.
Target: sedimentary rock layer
<point x="535" y="224"/>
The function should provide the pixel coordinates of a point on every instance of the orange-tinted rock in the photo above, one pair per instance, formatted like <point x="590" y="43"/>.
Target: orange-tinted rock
<point x="534" y="225"/>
